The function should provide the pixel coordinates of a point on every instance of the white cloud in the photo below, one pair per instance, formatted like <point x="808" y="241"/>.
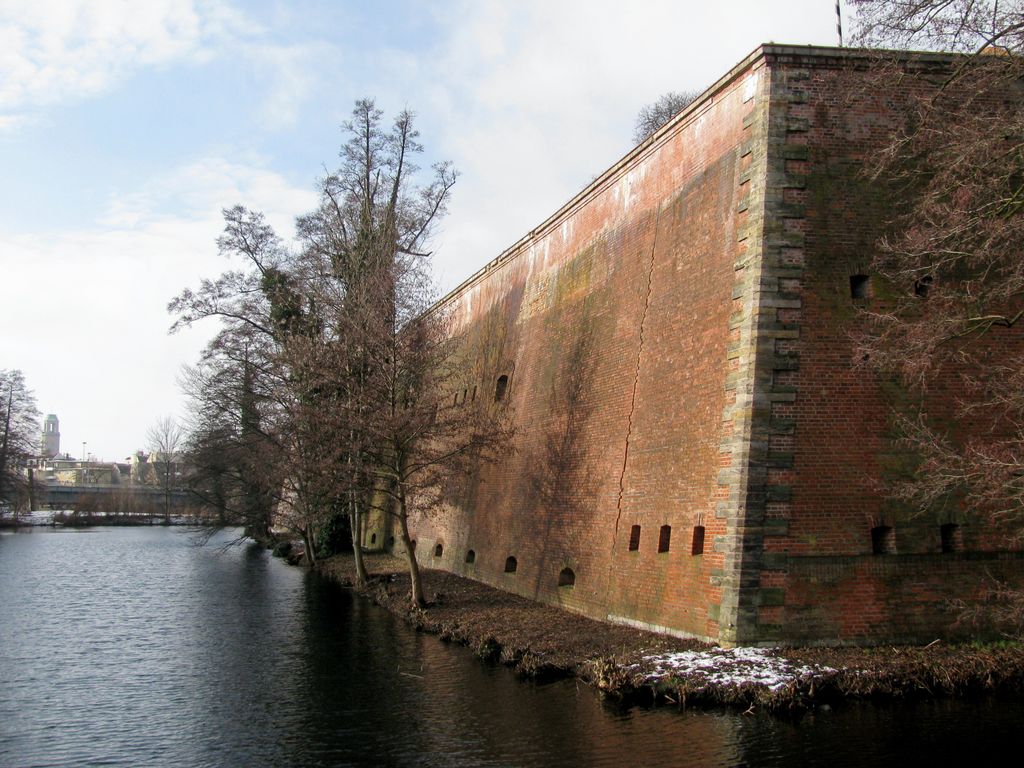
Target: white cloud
<point x="530" y="100"/>
<point x="87" y="306"/>
<point x="11" y="122"/>
<point x="198" y="191"/>
<point x="59" y="51"/>
<point x="534" y="99"/>
<point x="291" y="72"/>
<point x="52" y="50"/>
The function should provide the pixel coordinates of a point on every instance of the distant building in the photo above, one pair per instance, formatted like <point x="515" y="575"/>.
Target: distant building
<point x="49" y="440"/>
<point x="84" y="473"/>
<point x="143" y="468"/>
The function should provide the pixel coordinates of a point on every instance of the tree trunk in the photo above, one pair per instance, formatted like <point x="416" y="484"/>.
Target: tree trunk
<point x="4" y="442"/>
<point x="307" y="542"/>
<point x="418" y="601"/>
<point x="357" y="544"/>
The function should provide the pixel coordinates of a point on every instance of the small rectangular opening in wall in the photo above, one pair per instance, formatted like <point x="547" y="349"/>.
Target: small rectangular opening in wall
<point x="664" y="538"/>
<point x="500" y="388"/>
<point x="950" y="535"/>
<point x="697" y="548"/>
<point x="511" y="564"/>
<point x="922" y="286"/>
<point x="634" y="538"/>
<point x="860" y="286"/>
<point x="883" y="540"/>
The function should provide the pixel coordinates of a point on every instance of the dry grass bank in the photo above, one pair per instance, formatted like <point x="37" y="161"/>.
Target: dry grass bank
<point x="543" y="641"/>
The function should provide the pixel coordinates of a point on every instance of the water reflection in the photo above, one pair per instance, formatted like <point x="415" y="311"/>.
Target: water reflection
<point x="132" y="647"/>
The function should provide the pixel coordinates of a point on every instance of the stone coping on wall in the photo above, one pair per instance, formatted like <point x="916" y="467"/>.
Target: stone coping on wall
<point x="804" y="55"/>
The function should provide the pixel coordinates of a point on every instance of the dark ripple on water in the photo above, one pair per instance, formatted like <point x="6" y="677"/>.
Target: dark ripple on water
<point x="132" y="647"/>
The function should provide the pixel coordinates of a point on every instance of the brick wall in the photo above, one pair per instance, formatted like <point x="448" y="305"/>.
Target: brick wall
<point x="612" y="322"/>
<point x="676" y="347"/>
<point x="830" y="438"/>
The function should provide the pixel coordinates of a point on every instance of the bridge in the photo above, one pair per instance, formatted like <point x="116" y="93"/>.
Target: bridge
<point x="124" y="498"/>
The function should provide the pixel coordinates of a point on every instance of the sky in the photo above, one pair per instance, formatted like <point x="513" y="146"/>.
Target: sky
<point x="126" y="127"/>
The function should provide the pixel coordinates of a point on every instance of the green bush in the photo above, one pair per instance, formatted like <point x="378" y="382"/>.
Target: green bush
<point x="334" y="536"/>
<point x="282" y="549"/>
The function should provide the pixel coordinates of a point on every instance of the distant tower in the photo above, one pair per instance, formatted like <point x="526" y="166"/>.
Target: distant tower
<point x="49" y="441"/>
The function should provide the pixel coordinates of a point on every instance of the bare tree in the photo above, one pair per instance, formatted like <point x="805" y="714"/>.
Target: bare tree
<point x="19" y="431"/>
<point x="963" y="26"/>
<point x="164" y="440"/>
<point x="952" y="252"/>
<point x="652" y="116"/>
<point x="236" y="388"/>
<point x="421" y="436"/>
<point x="379" y="368"/>
<point x="355" y="359"/>
<point x="366" y="242"/>
<point x="232" y="451"/>
<point x="254" y="384"/>
<point x="947" y="323"/>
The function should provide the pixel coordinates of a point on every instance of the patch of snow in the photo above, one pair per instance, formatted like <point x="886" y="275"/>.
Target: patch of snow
<point x="36" y="517"/>
<point x="729" y="667"/>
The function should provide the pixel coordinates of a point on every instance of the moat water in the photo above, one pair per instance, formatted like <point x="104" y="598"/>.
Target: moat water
<point x="136" y="647"/>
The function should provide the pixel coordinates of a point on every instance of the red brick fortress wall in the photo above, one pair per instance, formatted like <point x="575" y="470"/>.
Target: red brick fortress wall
<point x="614" y="325"/>
<point x="829" y="435"/>
<point x="674" y="348"/>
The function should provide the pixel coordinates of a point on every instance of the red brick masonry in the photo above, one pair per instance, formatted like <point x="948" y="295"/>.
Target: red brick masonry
<point x="695" y="449"/>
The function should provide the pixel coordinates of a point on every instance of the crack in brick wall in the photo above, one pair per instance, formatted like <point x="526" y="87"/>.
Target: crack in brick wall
<point x="636" y="381"/>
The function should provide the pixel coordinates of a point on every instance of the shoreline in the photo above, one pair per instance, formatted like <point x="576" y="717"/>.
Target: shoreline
<point x="72" y="519"/>
<point x="543" y="642"/>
